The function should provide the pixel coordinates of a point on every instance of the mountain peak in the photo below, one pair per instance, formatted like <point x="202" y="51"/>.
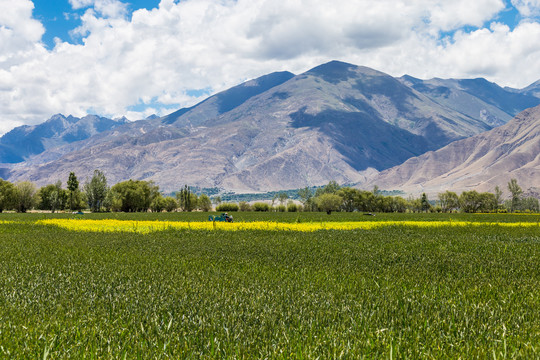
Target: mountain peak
<point x="336" y="71"/>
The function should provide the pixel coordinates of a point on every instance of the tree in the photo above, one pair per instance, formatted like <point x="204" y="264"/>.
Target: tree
<point x="331" y="188"/>
<point x="365" y="201"/>
<point x="516" y="192"/>
<point x="7" y="195"/>
<point x="52" y="197"/>
<point x="425" y="205"/>
<point x="187" y="200"/>
<point x="204" y="203"/>
<point x="170" y="204"/>
<point x="217" y="200"/>
<point x="283" y="197"/>
<point x="498" y="196"/>
<point x="73" y="188"/>
<point x="96" y="191"/>
<point x="448" y="201"/>
<point x="25" y="196"/>
<point x="328" y="202"/>
<point x="348" y="195"/>
<point x="306" y="197"/>
<point x="488" y="202"/>
<point x="470" y="201"/>
<point x="133" y="196"/>
<point x="157" y="204"/>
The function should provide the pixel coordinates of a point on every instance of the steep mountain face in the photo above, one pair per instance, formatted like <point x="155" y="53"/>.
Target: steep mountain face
<point x="25" y="141"/>
<point x="480" y="162"/>
<point x="335" y="122"/>
<point x="532" y="90"/>
<point x="477" y="98"/>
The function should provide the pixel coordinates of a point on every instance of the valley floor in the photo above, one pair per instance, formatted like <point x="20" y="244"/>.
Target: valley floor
<point x="393" y="291"/>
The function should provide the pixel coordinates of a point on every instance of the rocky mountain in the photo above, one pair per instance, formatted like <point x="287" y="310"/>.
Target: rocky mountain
<point x="478" y="163"/>
<point x="25" y="141"/>
<point x="477" y="98"/>
<point x="533" y="89"/>
<point x="335" y="122"/>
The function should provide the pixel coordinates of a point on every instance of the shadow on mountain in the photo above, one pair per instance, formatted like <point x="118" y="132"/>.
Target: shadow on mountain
<point x="238" y="95"/>
<point x="362" y="139"/>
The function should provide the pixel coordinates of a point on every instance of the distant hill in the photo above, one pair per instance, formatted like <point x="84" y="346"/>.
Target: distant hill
<point x="25" y="141"/>
<point x="480" y="162"/>
<point x="282" y="131"/>
<point x="477" y="98"/>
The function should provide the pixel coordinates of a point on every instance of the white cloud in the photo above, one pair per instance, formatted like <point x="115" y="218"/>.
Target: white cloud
<point x="527" y="8"/>
<point x="18" y="31"/>
<point x="158" y="56"/>
<point x="107" y="8"/>
<point x="451" y="15"/>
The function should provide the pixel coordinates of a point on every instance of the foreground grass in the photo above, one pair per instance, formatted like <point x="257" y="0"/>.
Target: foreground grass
<point x="400" y="292"/>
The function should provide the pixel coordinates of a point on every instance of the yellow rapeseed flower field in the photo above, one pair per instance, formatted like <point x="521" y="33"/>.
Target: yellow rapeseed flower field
<point x="145" y="227"/>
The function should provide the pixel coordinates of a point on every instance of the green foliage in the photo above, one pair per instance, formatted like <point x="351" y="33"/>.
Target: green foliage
<point x="96" y="191"/>
<point x="205" y="204"/>
<point x="424" y="203"/>
<point x="435" y="293"/>
<point x="306" y="197"/>
<point x="227" y="207"/>
<point x="170" y="204"/>
<point x="328" y="202"/>
<point x="516" y="192"/>
<point x="282" y="196"/>
<point x="292" y="207"/>
<point x="331" y="188"/>
<point x="281" y="208"/>
<point x="449" y="201"/>
<point x="158" y="204"/>
<point x="187" y="200"/>
<point x="73" y="188"/>
<point x="260" y="206"/>
<point x="133" y="196"/>
<point x="52" y="197"/>
<point x="25" y="196"/>
<point x="244" y="206"/>
<point x="7" y="195"/>
<point x="473" y="201"/>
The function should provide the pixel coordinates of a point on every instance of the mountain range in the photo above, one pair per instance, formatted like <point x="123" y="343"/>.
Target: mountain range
<point x="477" y="163"/>
<point x="336" y="121"/>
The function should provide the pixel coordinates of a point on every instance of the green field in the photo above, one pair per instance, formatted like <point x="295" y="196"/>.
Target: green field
<point x="390" y="292"/>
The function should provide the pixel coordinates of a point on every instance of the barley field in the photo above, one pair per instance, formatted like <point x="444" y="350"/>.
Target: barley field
<point x="280" y="286"/>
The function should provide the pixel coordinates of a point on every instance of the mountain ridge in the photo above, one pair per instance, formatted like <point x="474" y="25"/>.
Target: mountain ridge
<point x="480" y="162"/>
<point x="337" y="121"/>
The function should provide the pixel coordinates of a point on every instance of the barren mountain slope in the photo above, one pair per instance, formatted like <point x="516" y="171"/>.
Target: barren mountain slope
<point x="480" y="162"/>
<point x="335" y="122"/>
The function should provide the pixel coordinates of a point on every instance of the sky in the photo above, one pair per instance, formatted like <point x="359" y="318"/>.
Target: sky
<point x="136" y="58"/>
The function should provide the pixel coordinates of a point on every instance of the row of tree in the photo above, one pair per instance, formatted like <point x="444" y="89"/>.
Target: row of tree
<point x="139" y="196"/>
<point x="332" y="197"/>
<point x="96" y="195"/>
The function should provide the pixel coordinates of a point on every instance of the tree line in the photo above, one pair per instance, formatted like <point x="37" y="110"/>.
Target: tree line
<point x="141" y="196"/>
<point x="332" y="197"/>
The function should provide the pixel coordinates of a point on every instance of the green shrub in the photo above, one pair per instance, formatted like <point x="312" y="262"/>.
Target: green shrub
<point x="244" y="206"/>
<point x="260" y="206"/>
<point x="227" y="207"/>
<point x="281" y="208"/>
<point x="292" y="207"/>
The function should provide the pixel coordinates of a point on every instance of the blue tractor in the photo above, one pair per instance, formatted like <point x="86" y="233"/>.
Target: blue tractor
<point x="223" y="217"/>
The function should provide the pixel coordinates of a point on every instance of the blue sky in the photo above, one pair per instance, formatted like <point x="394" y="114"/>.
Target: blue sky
<point x="59" y="18"/>
<point x="134" y="58"/>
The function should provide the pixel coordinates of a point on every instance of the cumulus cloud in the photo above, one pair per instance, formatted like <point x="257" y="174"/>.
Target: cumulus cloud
<point x="156" y="58"/>
<point x="107" y="8"/>
<point x="527" y="8"/>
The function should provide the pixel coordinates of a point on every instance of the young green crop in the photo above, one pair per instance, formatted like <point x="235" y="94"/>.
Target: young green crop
<point x="393" y="291"/>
